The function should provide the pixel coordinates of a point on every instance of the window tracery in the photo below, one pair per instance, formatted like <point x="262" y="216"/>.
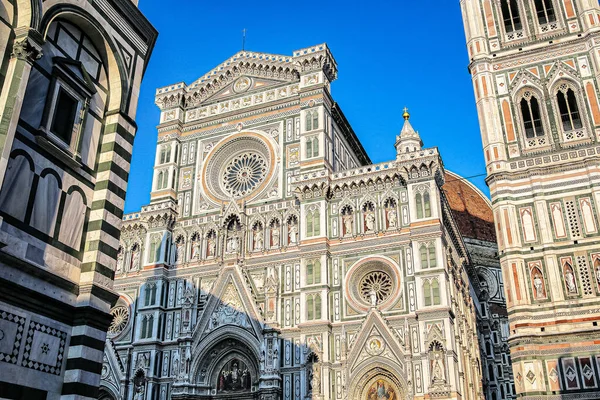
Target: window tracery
<point x="312" y="147"/>
<point x="313" y="307"/>
<point x="312" y="120"/>
<point x="544" y="10"/>
<point x="571" y="119"/>
<point x="244" y="173"/>
<point x="376" y="287"/>
<point x="511" y="18"/>
<point x="120" y="318"/>
<point x="431" y="292"/>
<point x="313" y="272"/>
<point x="428" y="257"/>
<point x="313" y="221"/>
<point x="423" y="204"/>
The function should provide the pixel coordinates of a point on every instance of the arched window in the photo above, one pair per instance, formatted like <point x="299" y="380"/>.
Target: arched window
<point x="423" y="204"/>
<point x="313" y="272"/>
<point x="313" y="222"/>
<point x="488" y="348"/>
<point x="424" y="256"/>
<point x="419" y="205"/>
<point x="427" y="205"/>
<point x="163" y="155"/>
<point x="312" y="120"/>
<point x="427" y="293"/>
<point x="428" y="258"/>
<point x="313" y="307"/>
<point x="312" y="147"/>
<point x="435" y="292"/>
<point x="568" y="108"/>
<point x="545" y="11"/>
<point x="154" y="254"/>
<point x="511" y="16"/>
<point x="431" y="293"/>
<point x="532" y="117"/>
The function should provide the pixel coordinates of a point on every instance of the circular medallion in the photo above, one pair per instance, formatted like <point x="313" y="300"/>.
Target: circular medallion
<point x="378" y="283"/>
<point x="243" y="174"/>
<point x="375" y="346"/>
<point x="120" y="316"/>
<point x="242" y="84"/>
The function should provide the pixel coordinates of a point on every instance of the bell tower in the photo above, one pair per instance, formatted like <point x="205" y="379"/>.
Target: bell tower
<point x="535" y="66"/>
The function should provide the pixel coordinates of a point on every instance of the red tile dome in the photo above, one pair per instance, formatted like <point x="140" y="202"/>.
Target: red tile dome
<point x="472" y="210"/>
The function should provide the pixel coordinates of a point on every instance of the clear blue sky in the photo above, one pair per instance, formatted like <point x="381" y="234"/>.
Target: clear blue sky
<point x="390" y="54"/>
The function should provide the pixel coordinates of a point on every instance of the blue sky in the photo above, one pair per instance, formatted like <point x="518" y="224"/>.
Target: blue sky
<point x="390" y="54"/>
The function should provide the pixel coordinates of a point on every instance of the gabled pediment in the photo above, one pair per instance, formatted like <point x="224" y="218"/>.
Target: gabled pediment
<point x="230" y="304"/>
<point x="242" y="73"/>
<point x="375" y="340"/>
<point x="244" y="85"/>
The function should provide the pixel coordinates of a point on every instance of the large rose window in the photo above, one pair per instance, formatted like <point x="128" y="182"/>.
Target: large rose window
<point x="120" y="315"/>
<point x="244" y="173"/>
<point x="376" y="283"/>
<point x="239" y="167"/>
<point x="373" y="282"/>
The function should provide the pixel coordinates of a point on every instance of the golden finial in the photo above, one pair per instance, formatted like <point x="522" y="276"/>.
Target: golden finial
<point x="406" y="114"/>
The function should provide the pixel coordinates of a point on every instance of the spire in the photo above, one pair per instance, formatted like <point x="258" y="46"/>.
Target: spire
<point x="409" y="139"/>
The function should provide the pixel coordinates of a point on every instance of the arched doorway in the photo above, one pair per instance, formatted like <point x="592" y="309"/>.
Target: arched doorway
<point x="229" y="369"/>
<point x="377" y="384"/>
<point x="105" y="394"/>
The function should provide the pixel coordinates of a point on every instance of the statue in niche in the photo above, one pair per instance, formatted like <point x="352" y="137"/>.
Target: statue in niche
<point x="211" y="246"/>
<point x="392" y="218"/>
<point x="348" y="225"/>
<point x="232" y="243"/>
<point x="293" y="233"/>
<point x="120" y="261"/>
<point x="597" y="270"/>
<point x="196" y="249"/>
<point x="370" y="221"/>
<point x="570" y="280"/>
<point x="538" y="285"/>
<point x="258" y="239"/>
<point x="135" y="259"/>
<point x="180" y="252"/>
<point x="438" y="369"/>
<point x="275" y="234"/>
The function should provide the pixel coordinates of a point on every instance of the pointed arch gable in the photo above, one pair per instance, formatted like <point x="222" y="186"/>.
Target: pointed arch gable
<point x="373" y="326"/>
<point x="230" y="275"/>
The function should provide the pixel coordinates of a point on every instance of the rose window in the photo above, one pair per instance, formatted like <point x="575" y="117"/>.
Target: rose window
<point x="244" y="173"/>
<point x="377" y="282"/>
<point x="120" y="319"/>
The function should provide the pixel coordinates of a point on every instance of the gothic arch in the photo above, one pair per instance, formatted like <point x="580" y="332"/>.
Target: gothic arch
<point x="378" y="370"/>
<point x="107" y="393"/>
<point x="104" y="44"/>
<point x="203" y="348"/>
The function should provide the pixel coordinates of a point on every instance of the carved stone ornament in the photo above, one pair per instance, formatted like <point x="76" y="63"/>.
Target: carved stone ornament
<point x="23" y="49"/>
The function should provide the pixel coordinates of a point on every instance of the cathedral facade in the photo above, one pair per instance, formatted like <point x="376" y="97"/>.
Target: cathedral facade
<point x="535" y="68"/>
<point x="275" y="261"/>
